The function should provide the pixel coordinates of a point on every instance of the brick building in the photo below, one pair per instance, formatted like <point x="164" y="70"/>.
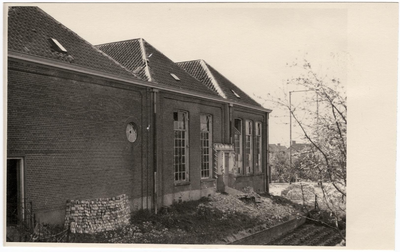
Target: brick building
<point x="87" y="122"/>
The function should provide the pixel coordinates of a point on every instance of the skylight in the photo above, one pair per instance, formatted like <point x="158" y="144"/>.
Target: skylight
<point x="175" y="77"/>
<point x="58" y="45"/>
<point x="236" y="94"/>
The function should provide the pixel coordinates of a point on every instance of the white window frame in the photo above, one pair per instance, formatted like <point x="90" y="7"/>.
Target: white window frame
<point x="181" y="149"/>
<point x="238" y="149"/>
<point x="258" y="146"/>
<point x="206" y="146"/>
<point x="249" y="147"/>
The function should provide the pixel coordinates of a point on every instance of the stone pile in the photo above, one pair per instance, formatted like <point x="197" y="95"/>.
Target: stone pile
<point x="97" y="215"/>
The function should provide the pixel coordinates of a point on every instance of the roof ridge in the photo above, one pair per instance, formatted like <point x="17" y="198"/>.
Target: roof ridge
<point x="158" y="51"/>
<point x="84" y="40"/>
<point x="144" y="58"/>
<point x="118" y="42"/>
<point x="216" y="84"/>
<point x="188" y="61"/>
<point x="233" y="84"/>
<point x="181" y="65"/>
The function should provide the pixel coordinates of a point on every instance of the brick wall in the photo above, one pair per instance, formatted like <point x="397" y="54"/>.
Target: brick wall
<point x="194" y="107"/>
<point x="255" y="180"/>
<point x="71" y="133"/>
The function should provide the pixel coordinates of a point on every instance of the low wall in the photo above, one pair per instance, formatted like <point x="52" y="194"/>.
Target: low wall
<point x="97" y="215"/>
<point x="267" y="235"/>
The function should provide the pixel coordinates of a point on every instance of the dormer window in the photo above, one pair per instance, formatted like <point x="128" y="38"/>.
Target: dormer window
<point x="175" y="77"/>
<point x="57" y="45"/>
<point x="236" y="94"/>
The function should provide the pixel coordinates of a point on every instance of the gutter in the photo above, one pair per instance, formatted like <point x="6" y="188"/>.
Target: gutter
<point x="158" y="86"/>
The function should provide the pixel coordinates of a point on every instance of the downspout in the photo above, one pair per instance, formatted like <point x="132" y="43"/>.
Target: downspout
<point x="268" y="167"/>
<point x="155" y="156"/>
<point x="230" y="123"/>
<point x="227" y="123"/>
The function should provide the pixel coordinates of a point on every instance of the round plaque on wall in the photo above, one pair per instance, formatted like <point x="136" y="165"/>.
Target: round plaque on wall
<point x="131" y="132"/>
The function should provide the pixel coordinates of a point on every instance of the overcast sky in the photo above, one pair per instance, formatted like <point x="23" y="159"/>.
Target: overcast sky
<point x="250" y="44"/>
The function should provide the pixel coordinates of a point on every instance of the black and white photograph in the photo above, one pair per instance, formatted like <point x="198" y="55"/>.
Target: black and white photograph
<point x="194" y="123"/>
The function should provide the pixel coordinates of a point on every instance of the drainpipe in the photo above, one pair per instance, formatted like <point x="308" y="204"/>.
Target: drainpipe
<point x="155" y="149"/>
<point x="267" y="171"/>
<point x="226" y="138"/>
<point x="230" y="123"/>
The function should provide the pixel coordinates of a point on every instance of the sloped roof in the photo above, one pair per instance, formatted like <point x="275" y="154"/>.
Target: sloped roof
<point x="300" y="146"/>
<point x="216" y="81"/>
<point x="277" y="148"/>
<point x="30" y="31"/>
<point x="141" y="58"/>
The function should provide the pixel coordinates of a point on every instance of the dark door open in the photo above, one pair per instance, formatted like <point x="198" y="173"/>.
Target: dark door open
<point x="13" y="191"/>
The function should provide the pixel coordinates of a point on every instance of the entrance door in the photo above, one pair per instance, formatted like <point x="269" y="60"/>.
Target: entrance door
<point x="14" y="191"/>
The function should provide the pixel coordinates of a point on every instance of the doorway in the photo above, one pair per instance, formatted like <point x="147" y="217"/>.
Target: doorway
<point x="15" y="191"/>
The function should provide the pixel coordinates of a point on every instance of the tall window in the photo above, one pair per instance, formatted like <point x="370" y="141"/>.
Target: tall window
<point x="238" y="145"/>
<point x="181" y="146"/>
<point x="206" y="145"/>
<point x="249" y="147"/>
<point x="258" y="146"/>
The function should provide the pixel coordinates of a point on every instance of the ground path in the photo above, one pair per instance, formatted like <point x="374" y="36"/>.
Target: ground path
<point x="309" y="235"/>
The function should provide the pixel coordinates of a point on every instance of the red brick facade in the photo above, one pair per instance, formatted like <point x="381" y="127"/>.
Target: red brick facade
<point x="70" y="130"/>
<point x="71" y="133"/>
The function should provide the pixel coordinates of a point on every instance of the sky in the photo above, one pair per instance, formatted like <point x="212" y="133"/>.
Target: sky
<point x="250" y="44"/>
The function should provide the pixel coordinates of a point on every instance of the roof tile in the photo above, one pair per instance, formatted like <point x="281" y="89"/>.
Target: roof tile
<point x="30" y="30"/>
<point x="215" y="81"/>
<point x="139" y="56"/>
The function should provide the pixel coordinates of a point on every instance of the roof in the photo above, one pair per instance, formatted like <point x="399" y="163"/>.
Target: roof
<point x="277" y="148"/>
<point x="300" y="146"/>
<point x="31" y="31"/>
<point x="216" y="81"/>
<point x="141" y="58"/>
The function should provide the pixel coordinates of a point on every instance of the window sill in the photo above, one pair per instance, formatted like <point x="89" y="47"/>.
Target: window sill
<point x="207" y="179"/>
<point x="181" y="183"/>
<point x="250" y="175"/>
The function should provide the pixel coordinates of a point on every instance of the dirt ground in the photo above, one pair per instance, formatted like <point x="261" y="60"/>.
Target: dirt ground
<point x="276" y="188"/>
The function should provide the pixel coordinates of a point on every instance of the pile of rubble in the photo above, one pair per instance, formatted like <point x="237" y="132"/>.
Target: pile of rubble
<point x="92" y="216"/>
<point x="252" y="204"/>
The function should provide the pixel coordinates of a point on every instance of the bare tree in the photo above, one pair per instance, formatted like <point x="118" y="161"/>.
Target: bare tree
<point x="322" y="119"/>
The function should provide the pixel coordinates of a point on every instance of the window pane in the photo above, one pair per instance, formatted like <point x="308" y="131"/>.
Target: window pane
<point x="249" y="147"/>
<point x="180" y="135"/>
<point x="205" y="144"/>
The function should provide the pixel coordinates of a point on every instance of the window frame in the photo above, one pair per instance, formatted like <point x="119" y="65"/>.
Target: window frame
<point x="238" y="156"/>
<point x="181" y="176"/>
<point x="209" y="156"/>
<point x="258" y="147"/>
<point x="249" y="147"/>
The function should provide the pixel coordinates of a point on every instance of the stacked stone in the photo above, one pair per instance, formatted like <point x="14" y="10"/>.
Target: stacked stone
<point x="92" y="216"/>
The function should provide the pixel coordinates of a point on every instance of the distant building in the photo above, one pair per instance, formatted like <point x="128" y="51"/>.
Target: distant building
<point x="299" y="147"/>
